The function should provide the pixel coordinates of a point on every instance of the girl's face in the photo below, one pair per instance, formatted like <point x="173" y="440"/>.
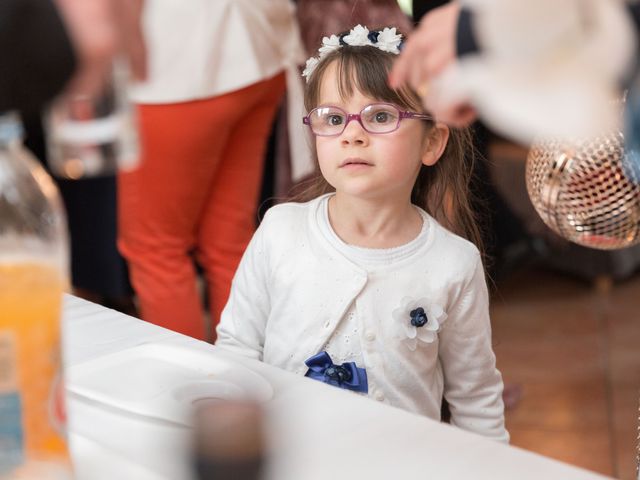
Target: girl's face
<point x="374" y="166"/>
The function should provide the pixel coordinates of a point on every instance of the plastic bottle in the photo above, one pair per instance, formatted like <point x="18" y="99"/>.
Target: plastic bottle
<point x="33" y="275"/>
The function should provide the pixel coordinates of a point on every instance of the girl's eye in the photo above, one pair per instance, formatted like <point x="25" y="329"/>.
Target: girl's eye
<point x="382" y="116"/>
<point x="334" y="119"/>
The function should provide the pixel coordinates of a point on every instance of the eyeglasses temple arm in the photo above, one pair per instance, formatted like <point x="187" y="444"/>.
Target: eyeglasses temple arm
<point x="420" y="116"/>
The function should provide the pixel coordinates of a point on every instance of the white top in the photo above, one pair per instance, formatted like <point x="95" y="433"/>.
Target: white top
<point x="203" y="48"/>
<point x="294" y="286"/>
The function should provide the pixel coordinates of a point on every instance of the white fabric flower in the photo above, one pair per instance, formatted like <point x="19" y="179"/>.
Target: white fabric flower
<point x="389" y="40"/>
<point x="427" y="332"/>
<point x="311" y="65"/>
<point x="329" y="44"/>
<point x="358" y="36"/>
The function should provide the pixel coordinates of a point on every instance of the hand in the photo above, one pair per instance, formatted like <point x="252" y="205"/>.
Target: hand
<point x="455" y="113"/>
<point x="426" y="54"/>
<point x="99" y="29"/>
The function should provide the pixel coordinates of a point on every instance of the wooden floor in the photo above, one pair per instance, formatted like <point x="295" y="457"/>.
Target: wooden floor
<point x="574" y="348"/>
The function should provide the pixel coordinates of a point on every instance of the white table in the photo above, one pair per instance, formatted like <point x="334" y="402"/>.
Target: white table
<point x="315" y="431"/>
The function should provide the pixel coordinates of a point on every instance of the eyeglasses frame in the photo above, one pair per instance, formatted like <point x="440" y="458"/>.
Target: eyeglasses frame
<point x="402" y="114"/>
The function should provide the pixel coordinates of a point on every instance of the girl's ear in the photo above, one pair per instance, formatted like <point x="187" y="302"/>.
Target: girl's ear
<point x="434" y="144"/>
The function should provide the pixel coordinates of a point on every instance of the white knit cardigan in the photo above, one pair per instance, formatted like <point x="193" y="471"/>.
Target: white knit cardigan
<point x="293" y="287"/>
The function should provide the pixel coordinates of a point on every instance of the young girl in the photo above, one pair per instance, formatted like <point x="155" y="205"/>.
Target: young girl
<point x="361" y="288"/>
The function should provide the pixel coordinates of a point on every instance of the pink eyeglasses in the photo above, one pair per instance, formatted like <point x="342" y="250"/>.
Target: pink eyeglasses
<point x="329" y="121"/>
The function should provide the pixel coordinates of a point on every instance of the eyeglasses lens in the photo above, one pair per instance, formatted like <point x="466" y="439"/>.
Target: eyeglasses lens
<point x="380" y="118"/>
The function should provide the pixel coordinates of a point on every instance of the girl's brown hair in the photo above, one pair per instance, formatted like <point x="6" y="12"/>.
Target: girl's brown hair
<point x="442" y="189"/>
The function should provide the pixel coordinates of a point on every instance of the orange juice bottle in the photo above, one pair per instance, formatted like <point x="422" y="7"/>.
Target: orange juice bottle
<point x="33" y="266"/>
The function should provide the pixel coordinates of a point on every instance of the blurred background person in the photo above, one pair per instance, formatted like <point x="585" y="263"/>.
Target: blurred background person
<point x="70" y="45"/>
<point x="216" y="77"/>
<point x="487" y="56"/>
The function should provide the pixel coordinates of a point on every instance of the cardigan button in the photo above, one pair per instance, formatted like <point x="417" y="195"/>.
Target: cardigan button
<point x="379" y="396"/>
<point x="370" y="335"/>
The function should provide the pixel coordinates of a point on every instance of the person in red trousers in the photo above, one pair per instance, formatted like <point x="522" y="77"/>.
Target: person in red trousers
<point x="205" y="114"/>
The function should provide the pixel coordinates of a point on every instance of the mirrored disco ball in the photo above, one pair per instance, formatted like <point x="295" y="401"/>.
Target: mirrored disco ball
<point x="586" y="191"/>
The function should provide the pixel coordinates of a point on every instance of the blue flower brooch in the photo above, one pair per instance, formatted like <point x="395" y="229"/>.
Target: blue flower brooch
<point x="418" y="320"/>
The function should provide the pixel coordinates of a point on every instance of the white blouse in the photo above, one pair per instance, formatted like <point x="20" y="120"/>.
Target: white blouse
<point x="203" y="48"/>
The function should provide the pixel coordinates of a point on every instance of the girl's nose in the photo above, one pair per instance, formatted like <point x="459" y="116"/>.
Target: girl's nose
<point x="354" y="133"/>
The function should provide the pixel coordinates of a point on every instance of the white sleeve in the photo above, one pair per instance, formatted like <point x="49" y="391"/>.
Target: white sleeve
<point x="472" y="384"/>
<point x="244" y="318"/>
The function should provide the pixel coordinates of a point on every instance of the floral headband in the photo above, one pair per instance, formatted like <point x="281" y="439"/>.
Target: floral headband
<point x="386" y="40"/>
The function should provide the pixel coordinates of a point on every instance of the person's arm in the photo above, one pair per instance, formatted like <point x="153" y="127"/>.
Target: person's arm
<point x="36" y="54"/>
<point x="448" y="29"/>
<point x="244" y="318"/>
<point x="472" y="384"/>
<point x="466" y="41"/>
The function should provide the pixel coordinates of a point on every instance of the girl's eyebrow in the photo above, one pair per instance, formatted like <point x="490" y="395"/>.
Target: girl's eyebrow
<point x="343" y="105"/>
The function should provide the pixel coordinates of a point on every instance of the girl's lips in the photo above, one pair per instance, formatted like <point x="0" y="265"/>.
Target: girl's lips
<point x="355" y="162"/>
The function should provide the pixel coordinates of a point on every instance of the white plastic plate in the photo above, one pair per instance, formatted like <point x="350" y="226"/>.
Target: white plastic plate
<point x="164" y="381"/>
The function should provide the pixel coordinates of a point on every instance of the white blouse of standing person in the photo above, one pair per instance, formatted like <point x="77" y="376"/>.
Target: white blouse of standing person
<point x="375" y="284"/>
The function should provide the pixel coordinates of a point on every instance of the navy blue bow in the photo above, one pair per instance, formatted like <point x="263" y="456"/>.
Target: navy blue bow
<point x="347" y="375"/>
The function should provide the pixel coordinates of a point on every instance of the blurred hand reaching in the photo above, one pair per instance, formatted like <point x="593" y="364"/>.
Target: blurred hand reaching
<point x="426" y="54"/>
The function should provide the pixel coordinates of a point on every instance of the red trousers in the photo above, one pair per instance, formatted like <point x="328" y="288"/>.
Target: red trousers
<point x="194" y="198"/>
